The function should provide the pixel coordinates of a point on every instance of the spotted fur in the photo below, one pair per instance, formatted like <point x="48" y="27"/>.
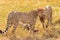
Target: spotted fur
<point x="46" y="14"/>
<point x="26" y="19"/>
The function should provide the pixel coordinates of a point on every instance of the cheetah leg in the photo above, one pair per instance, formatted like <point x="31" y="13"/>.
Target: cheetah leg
<point x="14" y="27"/>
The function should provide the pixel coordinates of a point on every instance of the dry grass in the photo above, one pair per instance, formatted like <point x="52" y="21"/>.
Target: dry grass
<point x="51" y="33"/>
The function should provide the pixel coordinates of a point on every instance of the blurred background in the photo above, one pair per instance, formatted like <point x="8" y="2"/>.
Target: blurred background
<point x="7" y="6"/>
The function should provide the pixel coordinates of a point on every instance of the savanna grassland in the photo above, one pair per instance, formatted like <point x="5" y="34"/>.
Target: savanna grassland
<point x="7" y="6"/>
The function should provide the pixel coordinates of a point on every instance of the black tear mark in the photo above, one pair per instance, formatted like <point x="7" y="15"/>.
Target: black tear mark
<point x="0" y="32"/>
